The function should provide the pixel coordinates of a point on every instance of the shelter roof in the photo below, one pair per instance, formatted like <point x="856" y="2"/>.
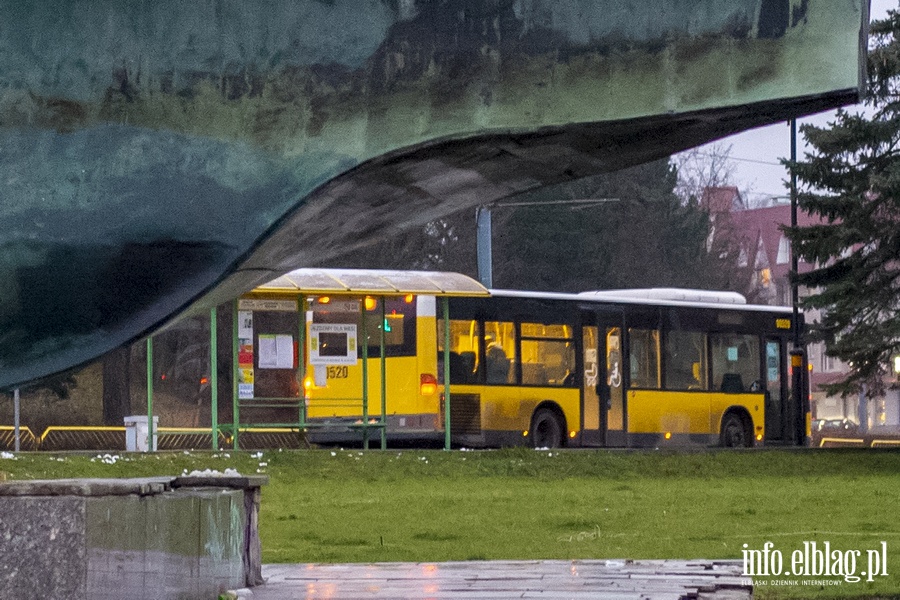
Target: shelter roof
<point x="375" y="282"/>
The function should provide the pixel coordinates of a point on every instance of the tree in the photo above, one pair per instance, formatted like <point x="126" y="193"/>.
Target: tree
<point x="642" y="235"/>
<point x="701" y="168"/>
<point x="116" y="386"/>
<point x="446" y="244"/>
<point x="851" y="180"/>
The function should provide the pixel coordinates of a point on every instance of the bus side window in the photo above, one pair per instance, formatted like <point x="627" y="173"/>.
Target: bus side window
<point x="547" y="354"/>
<point x="735" y="362"/>
<point x="458" y="373"/>
<point x="468" y="361"/>
<point x="497" y="364"/>
<point x="500" y="351"/>
<point x="685" y="360"/>
<point x="644" y="358"/>
<point x="464" y="345"/>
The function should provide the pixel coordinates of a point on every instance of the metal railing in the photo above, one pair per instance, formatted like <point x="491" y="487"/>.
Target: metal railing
<point x="112" y="439"/>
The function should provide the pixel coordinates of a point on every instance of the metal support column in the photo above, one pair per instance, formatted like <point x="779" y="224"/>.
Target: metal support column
<point x="235" y="378"/>
<point x="383" y="377"/>
<point x="799" y="397"/>
<point x="150" y="394"/>
<point x="446" y="310"/>
<point x="301" y="363"/>
<point x="214" y="377"/>
<point x="483" y="249"/>
<point x="18" y="433"/>
<point x="364" y="342"/>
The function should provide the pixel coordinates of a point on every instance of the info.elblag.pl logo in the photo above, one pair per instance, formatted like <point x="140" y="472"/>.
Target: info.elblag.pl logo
<point x="816" y="560"/>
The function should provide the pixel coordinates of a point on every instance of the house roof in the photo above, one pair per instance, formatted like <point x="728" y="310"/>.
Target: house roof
<point x="766" y="224"/>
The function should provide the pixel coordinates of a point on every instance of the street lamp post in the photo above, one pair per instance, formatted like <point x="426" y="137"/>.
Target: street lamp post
<point x="483" y="246"/>
<point x="800" y="398"/>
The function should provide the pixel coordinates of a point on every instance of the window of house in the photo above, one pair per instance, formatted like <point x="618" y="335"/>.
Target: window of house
<point x="784" y="251"/>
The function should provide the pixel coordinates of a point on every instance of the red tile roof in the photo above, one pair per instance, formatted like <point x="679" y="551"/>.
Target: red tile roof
<point x="766" y="223"/>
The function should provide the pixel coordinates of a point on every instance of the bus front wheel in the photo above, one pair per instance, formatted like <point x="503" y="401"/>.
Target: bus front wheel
<point x="546" y="430"/>
<point x="735" y="432"/>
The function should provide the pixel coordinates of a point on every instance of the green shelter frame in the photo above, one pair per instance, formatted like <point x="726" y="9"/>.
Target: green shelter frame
<point x="297" y="286"/>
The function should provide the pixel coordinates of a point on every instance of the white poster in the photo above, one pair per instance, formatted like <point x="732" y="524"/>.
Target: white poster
<point x="268" y="354"/>
<point x="245" y="324"/>
<point x="284" y="352"/>
<point x="276" y="351"/>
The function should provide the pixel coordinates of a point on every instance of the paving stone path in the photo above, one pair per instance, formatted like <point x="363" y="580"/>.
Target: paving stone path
<point x="489" y="580"/>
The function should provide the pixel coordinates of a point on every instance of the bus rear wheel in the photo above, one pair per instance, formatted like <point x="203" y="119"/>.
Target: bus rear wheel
<point x="735" y="432"/>
<point x="546" y="430"/>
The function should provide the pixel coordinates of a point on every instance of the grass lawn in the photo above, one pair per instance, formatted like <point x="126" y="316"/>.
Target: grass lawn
<point x="354" y="506"/>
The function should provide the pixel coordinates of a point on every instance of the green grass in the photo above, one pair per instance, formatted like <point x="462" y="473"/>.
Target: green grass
<point x="354" y="506"/>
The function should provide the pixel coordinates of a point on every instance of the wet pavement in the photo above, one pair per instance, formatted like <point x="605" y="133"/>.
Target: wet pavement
<point x="483" y="580"/>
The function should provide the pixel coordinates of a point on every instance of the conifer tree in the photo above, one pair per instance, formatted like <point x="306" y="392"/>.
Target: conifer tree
<point x="641" y="234"/>
<point x="850" y="179"/>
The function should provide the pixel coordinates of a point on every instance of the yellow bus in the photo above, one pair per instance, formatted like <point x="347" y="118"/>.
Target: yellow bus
<point x="334" y="391"/>
<point x="625" y="368"/>
<point x="621" y="368"/>
<point x="341" y="384"/>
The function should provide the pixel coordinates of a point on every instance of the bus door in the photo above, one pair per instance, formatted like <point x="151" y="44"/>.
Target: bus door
<point x="777" y="399"/>
<point x="603" y="383"/>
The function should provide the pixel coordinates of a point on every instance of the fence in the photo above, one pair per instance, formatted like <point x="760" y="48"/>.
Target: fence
<point x="88" y="438"/>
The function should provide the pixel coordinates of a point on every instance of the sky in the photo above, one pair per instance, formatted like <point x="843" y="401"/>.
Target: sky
<point x="756" y="153"/>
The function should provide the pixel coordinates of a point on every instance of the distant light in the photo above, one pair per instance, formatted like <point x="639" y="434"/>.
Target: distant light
<point x="204" y="380"/>
<point x="324" y="299"/>
<point x="370" y="303"/>
<point x="758" y="437"/>
<point x="525" y="433"/>
<point x="668" y="435"/>
<point x="409" y="298"/>
<point x="897" y="364"/>
<point x="571" y="434"/>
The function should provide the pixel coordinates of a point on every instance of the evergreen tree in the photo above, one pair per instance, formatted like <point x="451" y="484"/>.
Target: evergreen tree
<point x="851" y="180"/>
<point x="642" y="235"/>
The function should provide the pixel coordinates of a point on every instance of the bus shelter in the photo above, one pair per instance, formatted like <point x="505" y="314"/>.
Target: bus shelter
<point x="276" y="351"/>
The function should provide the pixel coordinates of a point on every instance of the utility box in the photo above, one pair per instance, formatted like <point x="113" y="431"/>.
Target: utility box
<point x="136" y="433"/>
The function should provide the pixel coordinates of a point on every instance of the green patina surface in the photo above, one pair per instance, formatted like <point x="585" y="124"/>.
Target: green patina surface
<point x="406" y="90"/>
<point x="149" y="147"/>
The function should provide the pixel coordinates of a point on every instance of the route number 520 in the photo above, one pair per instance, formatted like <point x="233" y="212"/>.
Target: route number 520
<point x="337" y="373"/>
